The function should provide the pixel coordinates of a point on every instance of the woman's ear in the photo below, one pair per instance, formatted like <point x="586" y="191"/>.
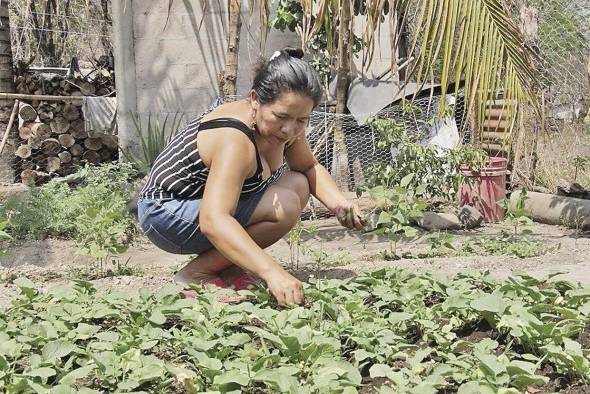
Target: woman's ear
<point x="253" y="99"/>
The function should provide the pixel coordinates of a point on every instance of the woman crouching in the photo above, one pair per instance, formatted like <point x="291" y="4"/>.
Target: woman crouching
<point x="234" y="181"/>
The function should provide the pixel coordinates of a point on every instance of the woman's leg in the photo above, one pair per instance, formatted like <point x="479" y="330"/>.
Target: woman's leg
<point x="277" y="212"/>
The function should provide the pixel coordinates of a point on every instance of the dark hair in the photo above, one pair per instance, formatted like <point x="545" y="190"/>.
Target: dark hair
<point x="284" y="72"/>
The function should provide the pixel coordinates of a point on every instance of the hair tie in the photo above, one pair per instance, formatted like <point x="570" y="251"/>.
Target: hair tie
<point x="275" y="55"/>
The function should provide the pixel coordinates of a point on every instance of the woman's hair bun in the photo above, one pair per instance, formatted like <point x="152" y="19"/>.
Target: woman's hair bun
<point x="294" y="52"/>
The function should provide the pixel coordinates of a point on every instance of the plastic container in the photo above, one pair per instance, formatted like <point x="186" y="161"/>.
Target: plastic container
<point x="484" y="189"/>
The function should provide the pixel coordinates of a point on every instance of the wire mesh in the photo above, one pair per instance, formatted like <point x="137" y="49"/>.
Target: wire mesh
<point x="561" y="35"/>
<point x="78" y="29"/>
<point x="352" y="163"/>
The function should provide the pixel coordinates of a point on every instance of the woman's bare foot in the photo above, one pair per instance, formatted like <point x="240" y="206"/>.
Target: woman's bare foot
<point x="186" y="277"/>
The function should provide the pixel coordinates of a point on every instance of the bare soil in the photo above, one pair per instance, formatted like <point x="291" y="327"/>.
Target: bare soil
<point x="332" y="252"/>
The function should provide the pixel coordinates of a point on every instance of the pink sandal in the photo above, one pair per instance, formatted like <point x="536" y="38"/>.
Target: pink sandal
<point x="243" y="282"/>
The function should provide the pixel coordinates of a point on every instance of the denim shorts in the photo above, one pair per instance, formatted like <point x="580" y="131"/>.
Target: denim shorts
<point x="173" y="224"/>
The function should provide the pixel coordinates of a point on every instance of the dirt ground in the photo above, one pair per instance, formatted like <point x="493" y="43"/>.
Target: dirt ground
<point x="332" y="252"/>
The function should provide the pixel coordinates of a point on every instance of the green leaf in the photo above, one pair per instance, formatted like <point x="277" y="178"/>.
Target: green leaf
<point x="234" y="376"/>
<point x="489" y="303"/>
<point x="490" y="365"/>
<point x="43" y="372"/>
<point x="157" y="317"/>
<point x="384" y="218"/>
<point x="475" y="388"/>
<point x="405" y="181"/>
<point x="380" y="371"/>
<point x="76" y="374"/>
<point x="57" y="349"/>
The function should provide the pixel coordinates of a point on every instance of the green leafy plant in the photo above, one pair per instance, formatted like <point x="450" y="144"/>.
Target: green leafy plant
<point x="517" y="216"/>
<point x="104" y="268"/>
<point x="153" y="138"/>
<point x="295" y="245"/>
<point x="391" y="330"/>
<point x="4" y="236"/>
<point x="505" y="244"/>
<point x="441" y="244"/>
<point x="399" y="208"/>
<point x="440" y="175"/>
<point x="94" y="213"/>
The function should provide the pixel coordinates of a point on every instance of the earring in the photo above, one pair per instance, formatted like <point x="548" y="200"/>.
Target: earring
<point x="253" y="120"/>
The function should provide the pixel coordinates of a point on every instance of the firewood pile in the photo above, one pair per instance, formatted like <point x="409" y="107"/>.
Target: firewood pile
<point x="53" y="140"/>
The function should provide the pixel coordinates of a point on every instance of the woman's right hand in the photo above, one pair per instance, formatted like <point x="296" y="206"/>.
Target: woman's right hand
<point x="287" y="289"/>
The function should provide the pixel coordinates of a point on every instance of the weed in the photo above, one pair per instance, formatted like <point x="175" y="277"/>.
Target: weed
<point x="322" y="260"/>
<point x="104" y="268"/>
<point x="94" y="213"/>
<point x="505" y="244"/>
<point x="294" y="241"/>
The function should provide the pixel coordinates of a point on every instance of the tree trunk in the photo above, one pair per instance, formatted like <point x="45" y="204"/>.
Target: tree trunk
<point x="340" y="164"/>
<point x="7" y="158"/>
<point x="228" y="77"/>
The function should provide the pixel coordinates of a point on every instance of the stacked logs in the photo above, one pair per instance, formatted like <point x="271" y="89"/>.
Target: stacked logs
<point x="52" y="135"/>
<point x="99" y="82"/>
<point x="54" y="141"/>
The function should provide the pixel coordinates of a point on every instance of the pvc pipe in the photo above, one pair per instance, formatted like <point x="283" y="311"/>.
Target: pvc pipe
<point x="553" y="209"/>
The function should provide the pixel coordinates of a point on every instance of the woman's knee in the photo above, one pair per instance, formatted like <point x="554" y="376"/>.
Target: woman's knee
<point x="298" y="183"/>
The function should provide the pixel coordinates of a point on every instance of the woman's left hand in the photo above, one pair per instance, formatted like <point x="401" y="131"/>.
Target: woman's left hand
<point x="349" y="215"/>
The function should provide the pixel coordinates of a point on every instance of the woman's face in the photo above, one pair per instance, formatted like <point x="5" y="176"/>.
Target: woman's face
<point x="285" y="118"/>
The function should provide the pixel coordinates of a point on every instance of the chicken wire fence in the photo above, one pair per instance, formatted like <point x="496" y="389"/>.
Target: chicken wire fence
<point x="559" y="30"/>
<point x="351" y="163"/>
<point x="50" y="34"/>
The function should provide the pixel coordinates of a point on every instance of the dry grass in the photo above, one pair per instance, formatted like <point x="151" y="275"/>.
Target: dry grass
<point x="557" y="151"/>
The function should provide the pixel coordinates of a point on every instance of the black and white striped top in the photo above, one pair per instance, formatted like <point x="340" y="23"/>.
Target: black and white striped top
<point x="179" y="171"/>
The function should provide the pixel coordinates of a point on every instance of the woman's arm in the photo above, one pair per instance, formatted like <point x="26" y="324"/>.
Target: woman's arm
<point x="300" y="158"/>
<point x="227" y="173"/>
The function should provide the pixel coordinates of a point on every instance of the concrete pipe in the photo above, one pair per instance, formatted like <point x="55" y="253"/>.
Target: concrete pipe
<point x="553" y="209"/>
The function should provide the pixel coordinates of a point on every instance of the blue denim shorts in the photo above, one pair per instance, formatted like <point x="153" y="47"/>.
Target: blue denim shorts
<point x="173" y="224"/>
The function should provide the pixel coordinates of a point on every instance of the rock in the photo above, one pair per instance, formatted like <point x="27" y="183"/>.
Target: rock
<point x="372" y="220"/>
<point x="540" y="189"/>
<point x="439" y="221"/>
<point x="572" y="189"/>
<point x="470" y="217"/>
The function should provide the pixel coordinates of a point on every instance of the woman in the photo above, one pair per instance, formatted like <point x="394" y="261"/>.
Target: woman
<point x="221" y="189"/>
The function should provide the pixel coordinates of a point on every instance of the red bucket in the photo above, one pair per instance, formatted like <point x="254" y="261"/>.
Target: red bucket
<point x="484" y="189"/>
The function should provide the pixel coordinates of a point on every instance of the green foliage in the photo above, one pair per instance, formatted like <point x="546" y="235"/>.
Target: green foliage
<point x="399" y="208"/>
<point x="294" y="240"/>
<point x="397" y="331"/>
<point x="153" y="138"/>
<point x="517" y="216"/>
<point x="4" y="236"/>
<point x="505" y="244"/>
<point x="95" y="213"/>
<point x="288" y="15"/>
<point x="103" y="268"/>
<point x="440" y="175"/>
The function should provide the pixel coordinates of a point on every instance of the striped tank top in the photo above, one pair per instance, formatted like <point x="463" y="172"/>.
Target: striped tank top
<point x="179" y="171"/>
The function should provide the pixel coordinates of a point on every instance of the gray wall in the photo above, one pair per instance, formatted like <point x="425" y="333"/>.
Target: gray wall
<point x="168" y="66"/>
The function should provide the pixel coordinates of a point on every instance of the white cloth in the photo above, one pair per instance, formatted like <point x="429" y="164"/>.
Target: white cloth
<point x="99" y="113"/>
